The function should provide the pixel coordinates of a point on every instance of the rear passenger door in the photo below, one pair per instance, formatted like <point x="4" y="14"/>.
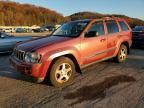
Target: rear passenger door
<point x="113" y="33"/>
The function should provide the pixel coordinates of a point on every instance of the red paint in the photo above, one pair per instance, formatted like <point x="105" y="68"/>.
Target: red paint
<point x="85" y="50"/>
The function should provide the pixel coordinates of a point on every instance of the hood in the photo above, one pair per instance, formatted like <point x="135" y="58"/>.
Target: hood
<point x="35" y="44"/>
<point x="19" y="39"/>
<point x="23" y="36"/>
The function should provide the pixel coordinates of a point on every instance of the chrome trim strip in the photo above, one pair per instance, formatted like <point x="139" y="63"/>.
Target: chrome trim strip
<point x="98" y="53"/>
<point x="84" y="66"/>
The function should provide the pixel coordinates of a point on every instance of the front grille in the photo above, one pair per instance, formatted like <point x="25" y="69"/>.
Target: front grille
<point x="19" y="54"/>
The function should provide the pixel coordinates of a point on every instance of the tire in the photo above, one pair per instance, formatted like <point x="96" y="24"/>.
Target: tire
<point x="122" y="54"/>
<point x="62" y="71"/>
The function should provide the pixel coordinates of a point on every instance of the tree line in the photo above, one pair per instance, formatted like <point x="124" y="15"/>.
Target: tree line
<point x="12" y="13"/>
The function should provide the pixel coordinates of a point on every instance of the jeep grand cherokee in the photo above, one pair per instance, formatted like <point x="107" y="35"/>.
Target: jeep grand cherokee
<point x="71" y="47"/>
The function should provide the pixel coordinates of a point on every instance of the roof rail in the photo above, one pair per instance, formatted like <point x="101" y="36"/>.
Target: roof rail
<point x="109" y="17"/>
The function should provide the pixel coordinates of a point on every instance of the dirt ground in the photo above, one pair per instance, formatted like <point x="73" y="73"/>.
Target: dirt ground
<point x="102" y="85"/>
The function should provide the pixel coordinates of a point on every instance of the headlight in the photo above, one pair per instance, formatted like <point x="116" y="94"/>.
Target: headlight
<point x="32" y="57"/>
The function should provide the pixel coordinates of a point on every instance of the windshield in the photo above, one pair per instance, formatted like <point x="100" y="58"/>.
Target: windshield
<point x="71" y="29"/>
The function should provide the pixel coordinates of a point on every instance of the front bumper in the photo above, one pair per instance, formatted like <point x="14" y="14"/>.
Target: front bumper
<point x="38" y="70"/>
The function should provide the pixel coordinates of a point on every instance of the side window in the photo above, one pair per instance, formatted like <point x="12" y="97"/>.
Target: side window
<point x="97" y="28"/>
<point x="123" y="26"/>
<point x="112" y="26"/>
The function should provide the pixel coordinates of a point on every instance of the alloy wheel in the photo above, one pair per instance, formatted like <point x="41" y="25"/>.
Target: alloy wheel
<point x="63" y="72"/>
<point x="123" y="54"/>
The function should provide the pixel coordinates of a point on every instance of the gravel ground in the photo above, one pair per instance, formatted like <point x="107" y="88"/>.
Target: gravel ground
<point x="102" y="85"/>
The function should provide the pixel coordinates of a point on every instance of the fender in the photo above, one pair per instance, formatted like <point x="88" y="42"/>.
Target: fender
<point x="50" y="56"/>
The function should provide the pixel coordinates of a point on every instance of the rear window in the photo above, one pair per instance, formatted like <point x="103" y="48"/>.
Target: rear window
<point x="112" y="26"/>
<point x="123" y="26"/>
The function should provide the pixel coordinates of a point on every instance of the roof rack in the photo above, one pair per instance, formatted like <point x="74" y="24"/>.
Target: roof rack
<point x="109" y="17"/>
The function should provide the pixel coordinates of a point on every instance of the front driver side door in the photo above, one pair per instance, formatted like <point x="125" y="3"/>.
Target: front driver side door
<point x="94" y="48"/>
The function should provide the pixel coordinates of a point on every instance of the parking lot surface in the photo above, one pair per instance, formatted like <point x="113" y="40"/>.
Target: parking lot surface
<point x="102" y="85"/>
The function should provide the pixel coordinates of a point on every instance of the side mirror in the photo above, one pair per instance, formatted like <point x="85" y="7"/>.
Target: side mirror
<point x="91" y="34"/>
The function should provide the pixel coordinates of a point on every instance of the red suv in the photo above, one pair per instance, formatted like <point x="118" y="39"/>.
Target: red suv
<point x="71" y="47"/>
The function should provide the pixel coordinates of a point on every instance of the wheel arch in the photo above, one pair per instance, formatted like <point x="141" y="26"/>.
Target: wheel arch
<point x="70" y="56"/>
<point x="127" y="45"/>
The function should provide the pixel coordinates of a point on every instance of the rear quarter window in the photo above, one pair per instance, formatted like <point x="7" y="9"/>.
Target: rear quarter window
<point x="123" y="26"/>
<point x="112" y="26"/>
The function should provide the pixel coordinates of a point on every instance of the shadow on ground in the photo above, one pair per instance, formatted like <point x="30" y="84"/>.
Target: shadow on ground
<point x="97" y="91"/>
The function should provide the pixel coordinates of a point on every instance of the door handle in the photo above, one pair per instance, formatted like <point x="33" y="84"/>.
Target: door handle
<point x="103" y="39"/>
<point x="120" y="36"/>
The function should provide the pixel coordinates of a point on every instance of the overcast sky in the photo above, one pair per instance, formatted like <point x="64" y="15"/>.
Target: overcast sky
<point x="132" y="8"/>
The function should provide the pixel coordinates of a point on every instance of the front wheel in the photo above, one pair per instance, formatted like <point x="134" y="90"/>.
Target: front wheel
<point x="62" y="72"/>
<point x="122" y="54"/>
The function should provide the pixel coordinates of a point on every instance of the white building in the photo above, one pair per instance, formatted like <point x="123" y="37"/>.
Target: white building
<point x="11" y="29"/>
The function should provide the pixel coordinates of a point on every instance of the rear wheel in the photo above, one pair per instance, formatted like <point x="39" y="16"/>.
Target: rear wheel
<point x="122" y="54"/>
<point x="62" y="71"/>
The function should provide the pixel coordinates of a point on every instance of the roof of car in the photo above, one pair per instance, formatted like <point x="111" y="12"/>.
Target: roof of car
<point x="106" y="18"/>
